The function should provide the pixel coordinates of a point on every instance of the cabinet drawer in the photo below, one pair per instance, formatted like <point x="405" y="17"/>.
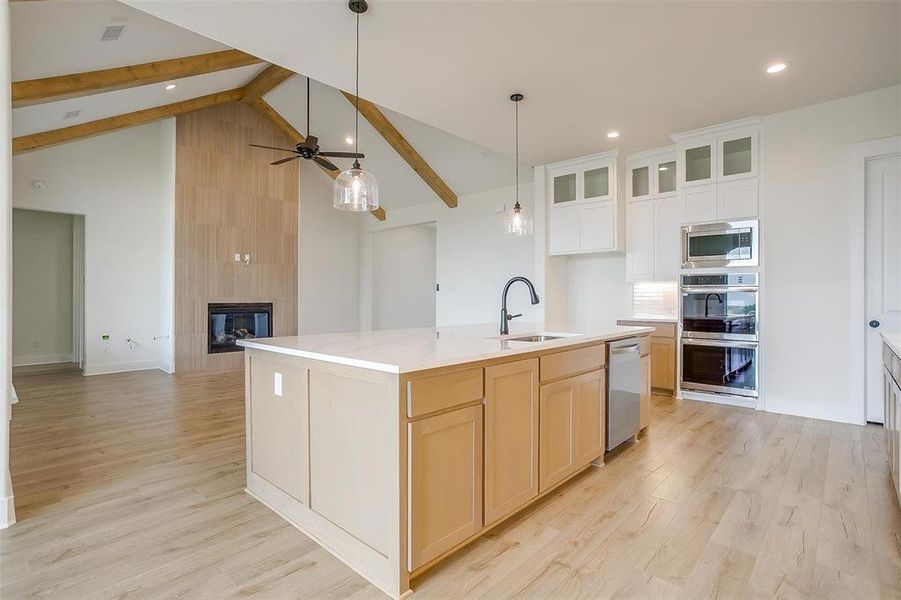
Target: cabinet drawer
<point x="439" y="392"/>
<point x="571" y="362"/>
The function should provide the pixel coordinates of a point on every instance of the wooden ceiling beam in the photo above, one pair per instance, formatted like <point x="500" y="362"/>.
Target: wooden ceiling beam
<point x="272" y="76"/>
<point x="265" y="109"/>
<point x="53" y="137"/>
<point x="395" y="138"/>
<point x="47" y="89"/>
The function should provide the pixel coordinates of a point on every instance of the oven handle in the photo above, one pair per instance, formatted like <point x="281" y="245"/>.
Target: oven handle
<point x="717" y="289"/>
<point x="719" y="343"/>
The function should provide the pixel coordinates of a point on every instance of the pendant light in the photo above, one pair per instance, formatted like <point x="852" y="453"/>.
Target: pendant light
<point x="516" y="220"/>
<point x="356" y="190"/>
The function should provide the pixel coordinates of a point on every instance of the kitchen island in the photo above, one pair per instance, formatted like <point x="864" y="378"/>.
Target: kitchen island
<point x="392" y="449"/>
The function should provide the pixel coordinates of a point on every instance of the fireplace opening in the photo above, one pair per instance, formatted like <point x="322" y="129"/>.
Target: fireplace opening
<point x="230" y="322"/>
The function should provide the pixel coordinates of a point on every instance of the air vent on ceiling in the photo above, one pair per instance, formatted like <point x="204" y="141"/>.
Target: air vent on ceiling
<point x="71" y="114"/>
<point x="112" y="33"/>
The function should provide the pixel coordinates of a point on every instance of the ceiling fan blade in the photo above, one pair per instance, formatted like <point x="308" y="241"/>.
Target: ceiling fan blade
<point x="325" y="163"/>
<point x="342" y="154"/>
<point x="310" y="142"/>
<point x="273" y="148"/>
<point x="284" y="160"/>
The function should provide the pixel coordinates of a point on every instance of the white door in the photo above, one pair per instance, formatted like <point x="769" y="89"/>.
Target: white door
<point x="883" y="269"/>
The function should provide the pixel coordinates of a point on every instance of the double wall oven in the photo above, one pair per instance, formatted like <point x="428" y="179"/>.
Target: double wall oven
<point x="719" y="317"/>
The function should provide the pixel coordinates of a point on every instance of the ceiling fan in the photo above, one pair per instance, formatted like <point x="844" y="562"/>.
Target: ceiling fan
<point x="309" y="148"/>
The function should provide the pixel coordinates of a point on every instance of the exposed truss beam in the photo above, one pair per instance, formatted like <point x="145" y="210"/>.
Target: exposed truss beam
<point x="272" y="76"/>
<point x="395" y="138"/>
<point x="68" y="134"/>
<point x="35" y="91"/>
<point x="270" y="113"/>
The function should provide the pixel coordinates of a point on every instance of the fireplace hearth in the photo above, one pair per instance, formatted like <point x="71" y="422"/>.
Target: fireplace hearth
<point x="233" y="321"/>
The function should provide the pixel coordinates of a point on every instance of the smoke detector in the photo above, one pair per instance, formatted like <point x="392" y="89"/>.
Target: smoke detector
<point x="112" y="33"/>
<point x="71" y="114"/>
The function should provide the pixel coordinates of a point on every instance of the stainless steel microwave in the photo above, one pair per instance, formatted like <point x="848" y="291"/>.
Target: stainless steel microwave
<point x="726" y="244"/>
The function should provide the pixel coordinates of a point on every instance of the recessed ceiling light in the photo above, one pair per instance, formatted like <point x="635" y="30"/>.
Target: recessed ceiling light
<point x="776" y="68"/>
<point x="613" y="134"/>
<point x="349" y="140"/>
<point x="171" y="86"/>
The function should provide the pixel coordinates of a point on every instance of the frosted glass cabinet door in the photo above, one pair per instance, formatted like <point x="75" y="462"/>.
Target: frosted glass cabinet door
<point x="564" y="189"/>
<point x="641" y="181"/>
<point x="698" y="163"/>
<point x="737" y="155"/>
<point x="666" y="177"/>
<point x="596" y="183"/>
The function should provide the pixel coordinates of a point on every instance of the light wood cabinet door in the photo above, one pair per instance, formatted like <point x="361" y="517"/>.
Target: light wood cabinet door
<point x="663" y="363"/>
<point x="588" y="415"/>
<point x="556" y="452"/>
<point x="511" y="437"/>
<point x="445" y="482"/>
<point x="644" y="407"/>
<point x="278" y="424"/>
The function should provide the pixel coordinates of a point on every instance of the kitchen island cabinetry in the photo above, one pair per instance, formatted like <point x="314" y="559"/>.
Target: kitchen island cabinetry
<point x="891" y="395"/>
<point x="394" y="449"/>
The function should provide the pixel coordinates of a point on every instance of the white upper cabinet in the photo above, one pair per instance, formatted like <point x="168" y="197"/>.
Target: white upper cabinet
<point x="718" y="170"/>
<point x="654" y="216"/>
<point x="582" y="205"/>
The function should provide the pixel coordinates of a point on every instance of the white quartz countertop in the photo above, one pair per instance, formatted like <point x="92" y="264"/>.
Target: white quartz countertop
<point x="407" y="350"/>
<point x="893" y="339"/>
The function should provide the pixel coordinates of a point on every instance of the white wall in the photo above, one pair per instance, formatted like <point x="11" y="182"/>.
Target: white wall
<point x="404" y="275"/>
<point x="328" y="258"/>
<point x="7" y="506"/>
<point x="809" y="327"/>
<point x="474" y="258"/>
<point x="42" y="287"/>
<point x="120" y="183"/>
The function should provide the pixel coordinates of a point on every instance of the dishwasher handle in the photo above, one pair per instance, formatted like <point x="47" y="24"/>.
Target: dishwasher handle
<point x="626" y="349"/>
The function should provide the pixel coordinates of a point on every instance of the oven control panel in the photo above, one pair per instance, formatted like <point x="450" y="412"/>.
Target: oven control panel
<point x="720" y="279"/>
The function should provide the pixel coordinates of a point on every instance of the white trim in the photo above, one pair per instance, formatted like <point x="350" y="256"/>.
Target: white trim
<point x="7" y="512"/>
<point x="124" y="367"/>
<point x="858" y="155"/>
<point x="711" y="130"/>
<point x="589" y="157"/>
<point x="45" y="359"/>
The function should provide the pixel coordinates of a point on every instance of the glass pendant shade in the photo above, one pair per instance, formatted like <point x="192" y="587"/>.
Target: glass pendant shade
<point x="517" y="221"/>
<point x="356" y="190"/>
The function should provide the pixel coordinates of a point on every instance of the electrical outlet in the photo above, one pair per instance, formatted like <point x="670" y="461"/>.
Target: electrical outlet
<point x="278" y="384"/>
<point x="104" y="343"/>
<point x="237" y="257"/>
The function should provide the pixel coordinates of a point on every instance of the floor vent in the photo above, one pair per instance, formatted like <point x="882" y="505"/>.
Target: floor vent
<point x="112" y="33"/>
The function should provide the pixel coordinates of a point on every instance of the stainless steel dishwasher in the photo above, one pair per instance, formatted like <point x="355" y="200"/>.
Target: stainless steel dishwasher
<point x="623" y="390"/>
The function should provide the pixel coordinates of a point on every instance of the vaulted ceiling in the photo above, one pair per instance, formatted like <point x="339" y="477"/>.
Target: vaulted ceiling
<point x="646" y="69"/>
<point x="52" y="38"/>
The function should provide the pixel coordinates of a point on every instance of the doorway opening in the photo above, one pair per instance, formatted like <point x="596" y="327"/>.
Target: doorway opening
<point x="48" y="290"/>
<point x="404" y="276"/>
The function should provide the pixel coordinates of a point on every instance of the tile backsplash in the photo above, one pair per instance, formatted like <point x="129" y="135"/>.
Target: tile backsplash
<point x="654" y="298"/>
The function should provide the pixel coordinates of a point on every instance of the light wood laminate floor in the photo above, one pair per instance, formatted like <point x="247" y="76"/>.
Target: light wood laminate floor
<point x="130" y="485"/>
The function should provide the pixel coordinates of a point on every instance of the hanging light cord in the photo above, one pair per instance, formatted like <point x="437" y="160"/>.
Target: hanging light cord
<point x="516" y="152"/>
<point x="357" y="97"/>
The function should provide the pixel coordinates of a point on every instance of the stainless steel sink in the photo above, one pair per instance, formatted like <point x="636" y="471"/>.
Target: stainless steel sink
<point x="535" y="338"/>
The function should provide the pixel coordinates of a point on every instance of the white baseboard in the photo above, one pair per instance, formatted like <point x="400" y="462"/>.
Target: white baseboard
<point x="7" y="512"/>
<point x="124" y="367"/>
<point x="46" y="359"/>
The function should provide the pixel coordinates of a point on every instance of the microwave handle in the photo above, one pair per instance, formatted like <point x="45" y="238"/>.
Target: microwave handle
<point x="719" y="344"/>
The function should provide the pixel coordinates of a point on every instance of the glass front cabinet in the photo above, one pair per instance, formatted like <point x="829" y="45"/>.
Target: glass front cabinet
<point x="582" y="215"/>
<point x="717" y="171"/>
<point x="654" y="215"/>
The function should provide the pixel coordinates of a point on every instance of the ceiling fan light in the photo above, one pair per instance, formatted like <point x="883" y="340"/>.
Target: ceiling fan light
<point x="356" y="190"/>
